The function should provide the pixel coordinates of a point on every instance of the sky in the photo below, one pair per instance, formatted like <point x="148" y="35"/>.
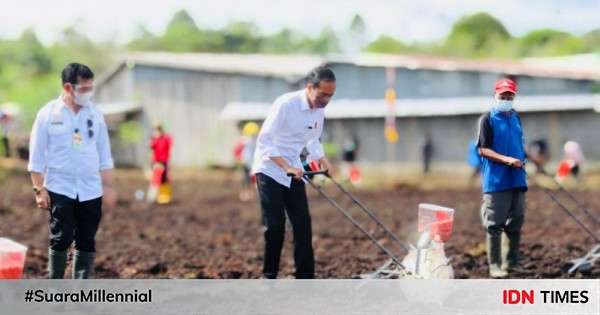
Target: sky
<point x="424" y="20"/>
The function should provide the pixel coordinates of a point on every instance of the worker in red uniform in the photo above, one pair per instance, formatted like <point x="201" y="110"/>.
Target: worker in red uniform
<point x="160" y="144"/>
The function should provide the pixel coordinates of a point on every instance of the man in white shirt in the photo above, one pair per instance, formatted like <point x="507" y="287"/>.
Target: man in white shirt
<point x="71" y="170"/>
<point x="294" y="121"/>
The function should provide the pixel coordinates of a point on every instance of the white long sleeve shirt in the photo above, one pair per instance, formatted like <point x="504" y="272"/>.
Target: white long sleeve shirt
<point x="71" y="168"/>
<point x="290" y="126"/>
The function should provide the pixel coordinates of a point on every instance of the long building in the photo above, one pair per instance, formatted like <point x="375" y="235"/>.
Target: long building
<point x="449" y="123"/>
<point x="202" y="99"/>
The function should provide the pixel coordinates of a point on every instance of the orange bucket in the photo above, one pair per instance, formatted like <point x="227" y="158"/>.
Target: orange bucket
<point x="12" y="259"/>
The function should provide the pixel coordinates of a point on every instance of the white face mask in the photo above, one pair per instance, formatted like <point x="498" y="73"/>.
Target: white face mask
<point x="503" y="105"/>
<point x="83" y="99"/>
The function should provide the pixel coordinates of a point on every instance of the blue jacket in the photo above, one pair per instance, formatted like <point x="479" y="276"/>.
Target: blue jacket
<point x="507" y="140"/>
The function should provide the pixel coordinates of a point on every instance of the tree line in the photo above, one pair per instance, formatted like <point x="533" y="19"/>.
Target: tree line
<point x="29" y="69"/>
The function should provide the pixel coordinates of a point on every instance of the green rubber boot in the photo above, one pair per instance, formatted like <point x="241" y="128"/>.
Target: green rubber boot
<point x="83" y="264"/>
<point x="57" y="262"/>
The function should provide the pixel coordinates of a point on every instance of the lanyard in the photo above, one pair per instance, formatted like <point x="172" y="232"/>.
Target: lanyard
<point x="77" y="138"/>
<point x="77" y="119"/>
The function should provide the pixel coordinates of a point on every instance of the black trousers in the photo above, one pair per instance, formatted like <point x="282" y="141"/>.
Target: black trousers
<point x="74" y="220"/>
<point x="276" y="200"/>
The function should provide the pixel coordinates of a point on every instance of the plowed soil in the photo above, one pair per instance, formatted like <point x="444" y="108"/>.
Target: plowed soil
<point x="207" y="232"/>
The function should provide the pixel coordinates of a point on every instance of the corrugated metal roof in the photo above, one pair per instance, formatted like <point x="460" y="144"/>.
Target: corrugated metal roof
<point x="509" y="67"/>
<point x="351" y="109"/>
<point x="294" y="67"/>
<point x="584" y="62"/>
<point x="289" y="67"/>
<point x="239" y="111"/>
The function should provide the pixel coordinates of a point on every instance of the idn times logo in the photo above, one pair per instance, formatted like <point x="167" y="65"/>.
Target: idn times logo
<point x="514" y="296"/>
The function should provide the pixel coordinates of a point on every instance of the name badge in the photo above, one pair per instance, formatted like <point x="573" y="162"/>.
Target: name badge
<point x="77" y="139"/>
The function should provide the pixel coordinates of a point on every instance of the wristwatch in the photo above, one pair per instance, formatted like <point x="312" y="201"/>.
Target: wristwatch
<point x="37" y="190"/>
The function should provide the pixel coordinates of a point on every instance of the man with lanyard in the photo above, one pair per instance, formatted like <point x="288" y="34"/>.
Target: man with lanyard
<point x="294" y="121"/>
<point x="504" y="180"/>
<point x="71" y="169"/>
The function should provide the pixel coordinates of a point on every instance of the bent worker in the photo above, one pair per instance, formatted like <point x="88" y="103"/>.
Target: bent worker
<point x="71" y="170"/>
<point x="294" y="121"/>
<point x="571" y="163"/>
<point x="504" y="180"/>
<point x="160" y="144"/>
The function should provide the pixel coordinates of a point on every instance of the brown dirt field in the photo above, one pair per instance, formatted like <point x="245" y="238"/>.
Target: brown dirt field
<point x="208" y="233"/>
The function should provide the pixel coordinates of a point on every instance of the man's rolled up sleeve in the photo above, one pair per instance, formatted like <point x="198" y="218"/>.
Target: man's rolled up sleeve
<point x="38" y="144"/>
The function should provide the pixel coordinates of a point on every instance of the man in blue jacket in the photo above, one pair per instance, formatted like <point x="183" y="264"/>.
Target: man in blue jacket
<point x="504" y="181"/>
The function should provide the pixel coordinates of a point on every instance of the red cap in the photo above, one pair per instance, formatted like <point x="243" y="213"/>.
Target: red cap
<point x="506" y="85"/>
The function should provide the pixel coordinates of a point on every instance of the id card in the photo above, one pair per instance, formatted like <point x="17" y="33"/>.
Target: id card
<point x="77" y="140"/>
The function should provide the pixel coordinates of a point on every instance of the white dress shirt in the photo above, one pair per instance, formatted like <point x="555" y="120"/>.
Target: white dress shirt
<point x="290" y="126"/>
<point x="70" y="168"/>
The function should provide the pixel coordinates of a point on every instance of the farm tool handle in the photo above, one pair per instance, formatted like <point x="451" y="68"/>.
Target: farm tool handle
<point x="311" y="173"/>
<point x="362" y="206"/>
<point x="579" y="204"/>
<point x="352" y="220"/>
<point x="369" y="213"/>
<point x="570" y="213"/>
